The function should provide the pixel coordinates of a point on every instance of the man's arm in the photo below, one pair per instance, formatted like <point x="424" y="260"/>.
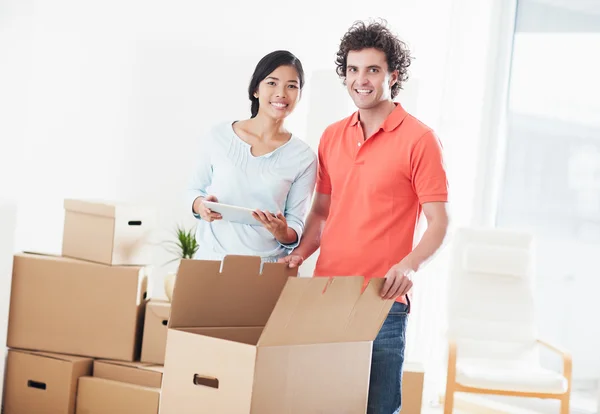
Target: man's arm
<point x="311" y="239"/>
<point x="436" y="214"/>
<point x="398" y="279"/>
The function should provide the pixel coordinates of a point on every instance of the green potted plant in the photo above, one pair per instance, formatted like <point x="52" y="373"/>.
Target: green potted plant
<point x="184" y="246"/>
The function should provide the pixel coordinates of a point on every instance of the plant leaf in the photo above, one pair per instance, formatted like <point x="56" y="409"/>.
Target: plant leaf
<point x="184" y="246"/>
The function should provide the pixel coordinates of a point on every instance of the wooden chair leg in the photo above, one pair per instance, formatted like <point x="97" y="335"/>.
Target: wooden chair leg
<point x="449" y="399"/>
<point x="450" y="378"/>
<point x="564" y="404"/>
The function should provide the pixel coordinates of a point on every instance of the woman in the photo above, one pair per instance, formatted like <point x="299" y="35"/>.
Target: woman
<point x="258" y="164"/>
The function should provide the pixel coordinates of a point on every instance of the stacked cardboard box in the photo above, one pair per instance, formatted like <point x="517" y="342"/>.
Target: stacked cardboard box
<point x="120" y="388"/>
<point x="155" y="331"/>
<point x="413" y="380"/>
<point x="238" y="337"/>
<point x="67" y="312"/>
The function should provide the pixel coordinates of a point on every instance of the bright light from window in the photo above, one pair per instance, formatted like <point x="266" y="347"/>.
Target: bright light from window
<point x="557" y="75"/>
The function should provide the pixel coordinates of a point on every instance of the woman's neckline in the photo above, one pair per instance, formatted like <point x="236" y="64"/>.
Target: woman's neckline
<point x="249" y="146"/>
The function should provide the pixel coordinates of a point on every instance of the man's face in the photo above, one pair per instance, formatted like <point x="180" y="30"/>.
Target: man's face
<point x="368" y="80"/>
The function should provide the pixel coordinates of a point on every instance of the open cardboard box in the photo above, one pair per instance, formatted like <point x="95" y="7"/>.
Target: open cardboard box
<point x="245" y="341"/>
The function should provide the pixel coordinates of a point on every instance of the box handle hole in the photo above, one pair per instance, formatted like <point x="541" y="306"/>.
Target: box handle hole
<point x="135" y="223"/>
<point x="165" y="322"/>
<point x="36" y="384"/>
<point x="210" y="382"/>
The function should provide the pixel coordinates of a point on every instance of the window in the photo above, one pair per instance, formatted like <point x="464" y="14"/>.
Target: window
<point x="551" y="182"/>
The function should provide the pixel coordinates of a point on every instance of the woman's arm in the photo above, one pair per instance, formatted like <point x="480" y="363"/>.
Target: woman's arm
<point x="201" y="177"/>
<point x="297" y="205"/>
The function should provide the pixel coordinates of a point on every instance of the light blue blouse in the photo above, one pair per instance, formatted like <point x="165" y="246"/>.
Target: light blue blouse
<point x="282" y="180"/>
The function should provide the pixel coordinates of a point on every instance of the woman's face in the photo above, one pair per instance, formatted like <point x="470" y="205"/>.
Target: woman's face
<point x="279" y="92"/>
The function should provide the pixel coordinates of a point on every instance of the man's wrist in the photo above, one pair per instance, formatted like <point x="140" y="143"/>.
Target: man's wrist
<point x="299" y="253"/>
<point x="409" y="264"/>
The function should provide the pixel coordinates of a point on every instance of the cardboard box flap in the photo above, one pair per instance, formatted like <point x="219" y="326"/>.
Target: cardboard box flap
<point x="136" y="365"/>
<point x="110" y="209"/>
<point x="59" y="357"/>
<point x="131" y="373"/>
<point x="96" y="208"/>
<point x="27" y="254"/>
<point x="62" y="259"/>
<point x="238" y="295"/>
<point x="325" y="310"/>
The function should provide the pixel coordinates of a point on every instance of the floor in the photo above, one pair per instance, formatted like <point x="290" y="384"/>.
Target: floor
<point x="581" y="403"/>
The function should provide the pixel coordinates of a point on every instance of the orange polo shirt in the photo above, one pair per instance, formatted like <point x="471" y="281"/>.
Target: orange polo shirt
<point x="377" y="188"/>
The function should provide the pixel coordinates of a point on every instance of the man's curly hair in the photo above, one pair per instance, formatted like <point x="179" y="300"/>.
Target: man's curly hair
<point x="375" y="35"/>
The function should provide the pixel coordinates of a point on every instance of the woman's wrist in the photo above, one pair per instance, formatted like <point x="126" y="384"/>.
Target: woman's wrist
<point x="288" y="236"/>
<point x="196" y="205"/>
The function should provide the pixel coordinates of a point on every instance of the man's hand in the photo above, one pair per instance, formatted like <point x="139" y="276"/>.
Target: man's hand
<point x="398" y="281"/>
<point x="293" y="260"/>
<point x="275" y="223"/>
<point x="204" y="212"/>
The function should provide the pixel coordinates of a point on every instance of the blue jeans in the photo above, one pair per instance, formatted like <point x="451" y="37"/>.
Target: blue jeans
<point x="387" y="362"/>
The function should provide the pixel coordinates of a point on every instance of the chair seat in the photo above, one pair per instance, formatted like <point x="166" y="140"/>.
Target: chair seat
<point x="499" y="376"/>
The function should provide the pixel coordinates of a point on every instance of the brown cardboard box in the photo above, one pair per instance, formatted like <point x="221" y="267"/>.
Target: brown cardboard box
<point x="412" y="388"/>
<point x="113" y="234"/>
<point x="138" y="373"/>
<point x="75" y="307"/>
<point x="154" y="342"/>
<point x="242" y="341"/>
<point x="120" y="388"/>
<point x="103" y="396"/>
<point x="41" y="383"/>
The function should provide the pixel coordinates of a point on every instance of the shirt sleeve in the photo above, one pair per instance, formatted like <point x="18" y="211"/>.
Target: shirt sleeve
<point x="428" y="169"/>
<point x="299" y="199"/>
<point x="201" y="176"/>
<point x="323" y="180"/>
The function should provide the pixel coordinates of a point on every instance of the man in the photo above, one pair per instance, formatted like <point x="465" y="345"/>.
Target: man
<point x="378" y="170"/>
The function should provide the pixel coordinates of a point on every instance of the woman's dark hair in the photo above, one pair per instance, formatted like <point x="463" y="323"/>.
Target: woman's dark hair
<point x="375" y="35"/>
<point x="266" y="66"/>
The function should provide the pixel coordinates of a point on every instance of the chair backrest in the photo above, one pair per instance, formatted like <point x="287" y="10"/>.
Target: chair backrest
<point x="491" y="301"/>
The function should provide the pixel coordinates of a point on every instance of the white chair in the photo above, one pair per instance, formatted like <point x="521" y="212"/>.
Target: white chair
<point x="493" y="345"/>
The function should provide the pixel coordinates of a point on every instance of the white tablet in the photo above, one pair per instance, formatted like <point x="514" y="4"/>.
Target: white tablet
<point x="234" y="214"/>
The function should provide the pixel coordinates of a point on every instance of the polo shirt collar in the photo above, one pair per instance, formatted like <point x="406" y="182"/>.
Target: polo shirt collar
<point x="392" y="122"/>
<point x="354" y="119"/>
